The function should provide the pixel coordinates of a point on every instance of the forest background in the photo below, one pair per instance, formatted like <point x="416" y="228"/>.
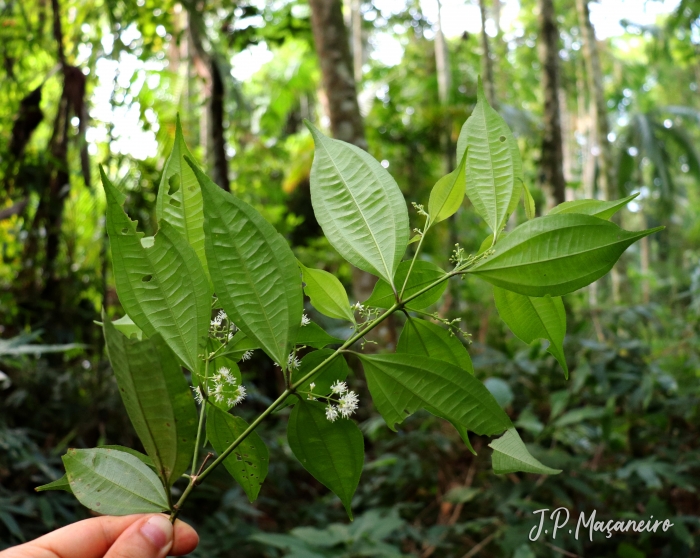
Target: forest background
<point x="602" y="107"/>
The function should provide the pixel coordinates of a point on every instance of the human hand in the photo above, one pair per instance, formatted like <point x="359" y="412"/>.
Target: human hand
<point x="131" y="536"/>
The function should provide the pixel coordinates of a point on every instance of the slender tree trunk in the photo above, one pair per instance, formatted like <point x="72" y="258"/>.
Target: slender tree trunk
<point x="601" y="149"/>
<point x="552" y="149"/>
<point x="486" y="60"/>
<point x="357" y="44"/>
<point x="442" y="65"/>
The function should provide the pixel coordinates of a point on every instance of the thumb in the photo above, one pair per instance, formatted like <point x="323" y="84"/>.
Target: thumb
<point x="152" y="537"/>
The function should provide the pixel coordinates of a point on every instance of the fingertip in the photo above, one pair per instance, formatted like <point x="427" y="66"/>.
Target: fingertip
<point x="186" y="539"/>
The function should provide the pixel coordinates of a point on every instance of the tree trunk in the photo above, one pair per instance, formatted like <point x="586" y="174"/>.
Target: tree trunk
<point x="486" y="60"/>
<point x="357" y="44"/>
<point x="442" y="66"/>
<point x="601" y="149"/>
<point x="552" y="150"/>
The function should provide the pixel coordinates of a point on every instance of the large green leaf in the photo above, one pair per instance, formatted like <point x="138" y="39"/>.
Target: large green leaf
<point x="157" y="399"/>
<point x="510" y="456"/>
<point x="359" y="206"/>
<point x="179" y="199"/>
<point x="254" y="272"/>
<point x="114" y="482"/>
<point x="400" y="384"/>
<point x="423" y="274"/>
<point x="333" y="452"/>
<point x="493" y="164"/>
<point x="248" y="462"/>
<point x="327" y="294"/>
<point x="596" y="208"/>
<point x="313" y="335"/>
<point x="448" y="193"/>
<point x="556" y="254"/>
<point x="531" y="318"/>
<point x="160" y="282"/>
<point x="420" y="337"/>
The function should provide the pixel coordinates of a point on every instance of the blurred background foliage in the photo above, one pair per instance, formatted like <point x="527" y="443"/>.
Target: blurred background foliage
<point x="100" y="83"/>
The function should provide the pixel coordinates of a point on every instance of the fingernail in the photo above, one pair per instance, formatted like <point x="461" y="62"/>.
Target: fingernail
<point x="158" y="530"/>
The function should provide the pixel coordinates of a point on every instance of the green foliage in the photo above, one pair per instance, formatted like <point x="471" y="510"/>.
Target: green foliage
<point x="596" y="208"/>
<point x="447" y="195"/>
<point x="333" y="452"/>
<point x="327" y="294"/>
<point x="423" y="274"/>
<point x="420" y="337"/>
<point x="510" y="455"/>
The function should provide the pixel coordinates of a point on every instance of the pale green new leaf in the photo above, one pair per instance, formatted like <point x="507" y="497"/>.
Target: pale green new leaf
<point x="447" y="195"/>
<point x="160" y="282"/>
<point x="401" y="384"/>
<point x="493" y="164"/>
<point x="510" y="456"/>
<point x="359" y="206"/>
<point x="556" y="254"/>
<point x="327" y="294"/>
<point x="248" y="462"/>
<point x="423" y="274"/>
<point x="333" y="452"/>
<point x="127" y="326"/>
<point x="531" y="318"/>
<point x="595" y="208"/>
<point x="157" y="399"/>
<point x="179" y="199"/>
<point x="254" y="272"/>
<point x="529" y="203"/>
<point x="114" y="482"/>
<point x="420" y="337"/>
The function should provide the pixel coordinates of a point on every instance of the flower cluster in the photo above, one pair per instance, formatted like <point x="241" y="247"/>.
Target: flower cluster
<point x="346" y="403"/>
<point x="222" y="387"/>
<point x="247" y="356"/>
<point x="293" y="363"/>
<point x="221" y="327"/>
<point x="305" y="320"/>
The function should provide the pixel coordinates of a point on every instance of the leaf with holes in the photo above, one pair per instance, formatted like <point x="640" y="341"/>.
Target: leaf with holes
<point x="160" y="282"/>
<point x="493" y="164"/>
<point x="179" y="199"/>
<point x="556" y="254"/>
<point x="595" y="208"/>
<point x="333" y="452"/>
<point x="531" y="318"/>
<point x="327" y="294"/>
<point x="114" y="482"/>
<point x="359" y="206"/>
<point x="157" y="399"/>
<point x="423" y="274"/>
<point x="401" y="384"/>
<point x="248" y="462"/>
<point x="511" y="456"/>
<point x="447" y="195"/>
<point x="254" y="272"/>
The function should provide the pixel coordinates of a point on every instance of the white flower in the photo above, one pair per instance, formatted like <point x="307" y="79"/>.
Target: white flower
<point x="293" y="362"/>
<point x="224" y="375"/>
<point x="247" y="355"/>
<point x="348" y="404"/>
<point x="312" y="385"/>
<point x="357" y="307"/>
<point x="198" y="397"/>
<point x="240" y="396"/>
<point x="305" y="320"/>
<point x="331" y="413"/>
<point x="220" y="317"/>
<point x="339" y="387"/>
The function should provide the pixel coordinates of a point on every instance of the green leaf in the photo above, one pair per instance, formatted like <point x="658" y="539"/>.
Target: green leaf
<point x="238" y="346"/>
<point x="160" y="282"/>
<point x="529" y="203"/>
<point x="493" y="164"/>
<point x="114" y="482"/>
<point x="58" y="484"/>
<point x="179" y="199"/>
<point x="420" y="337"/>
<point x="447" y="195"/>
<point x="143" y="458"/>
<point x="595" y="208"/>
<point x="254" y="272"/>
<point x="127" y="326"/>
<point x="556" y="254"/>
<point x="359" y="206"/>
<point x="531" y="318"/>
<point x="312" y="335"/>
<point x="335" y="371"/>
<point x="401" y="384"/>
<point x="333" y="452"/>
<point x="510" y="456"/>
<point x="423" y="274"/>
<point x="327" y="294"/>
<point x="157" y="399"/>
<point x="248" y="462"/>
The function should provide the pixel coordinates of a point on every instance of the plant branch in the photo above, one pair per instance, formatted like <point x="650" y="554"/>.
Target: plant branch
<point x="415" y="255"/>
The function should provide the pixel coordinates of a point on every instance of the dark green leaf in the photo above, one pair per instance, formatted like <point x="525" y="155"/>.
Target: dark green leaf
<point x="312" y="335"/>
<point x="113" y="482"/>
<point x="423" y="274"/>
<point x="248" y="462"/>
<point x="556" y="254"/>
<point x="58" y="484"/>
<point x="420" y="337"/>
<point x="333" y="452"/>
